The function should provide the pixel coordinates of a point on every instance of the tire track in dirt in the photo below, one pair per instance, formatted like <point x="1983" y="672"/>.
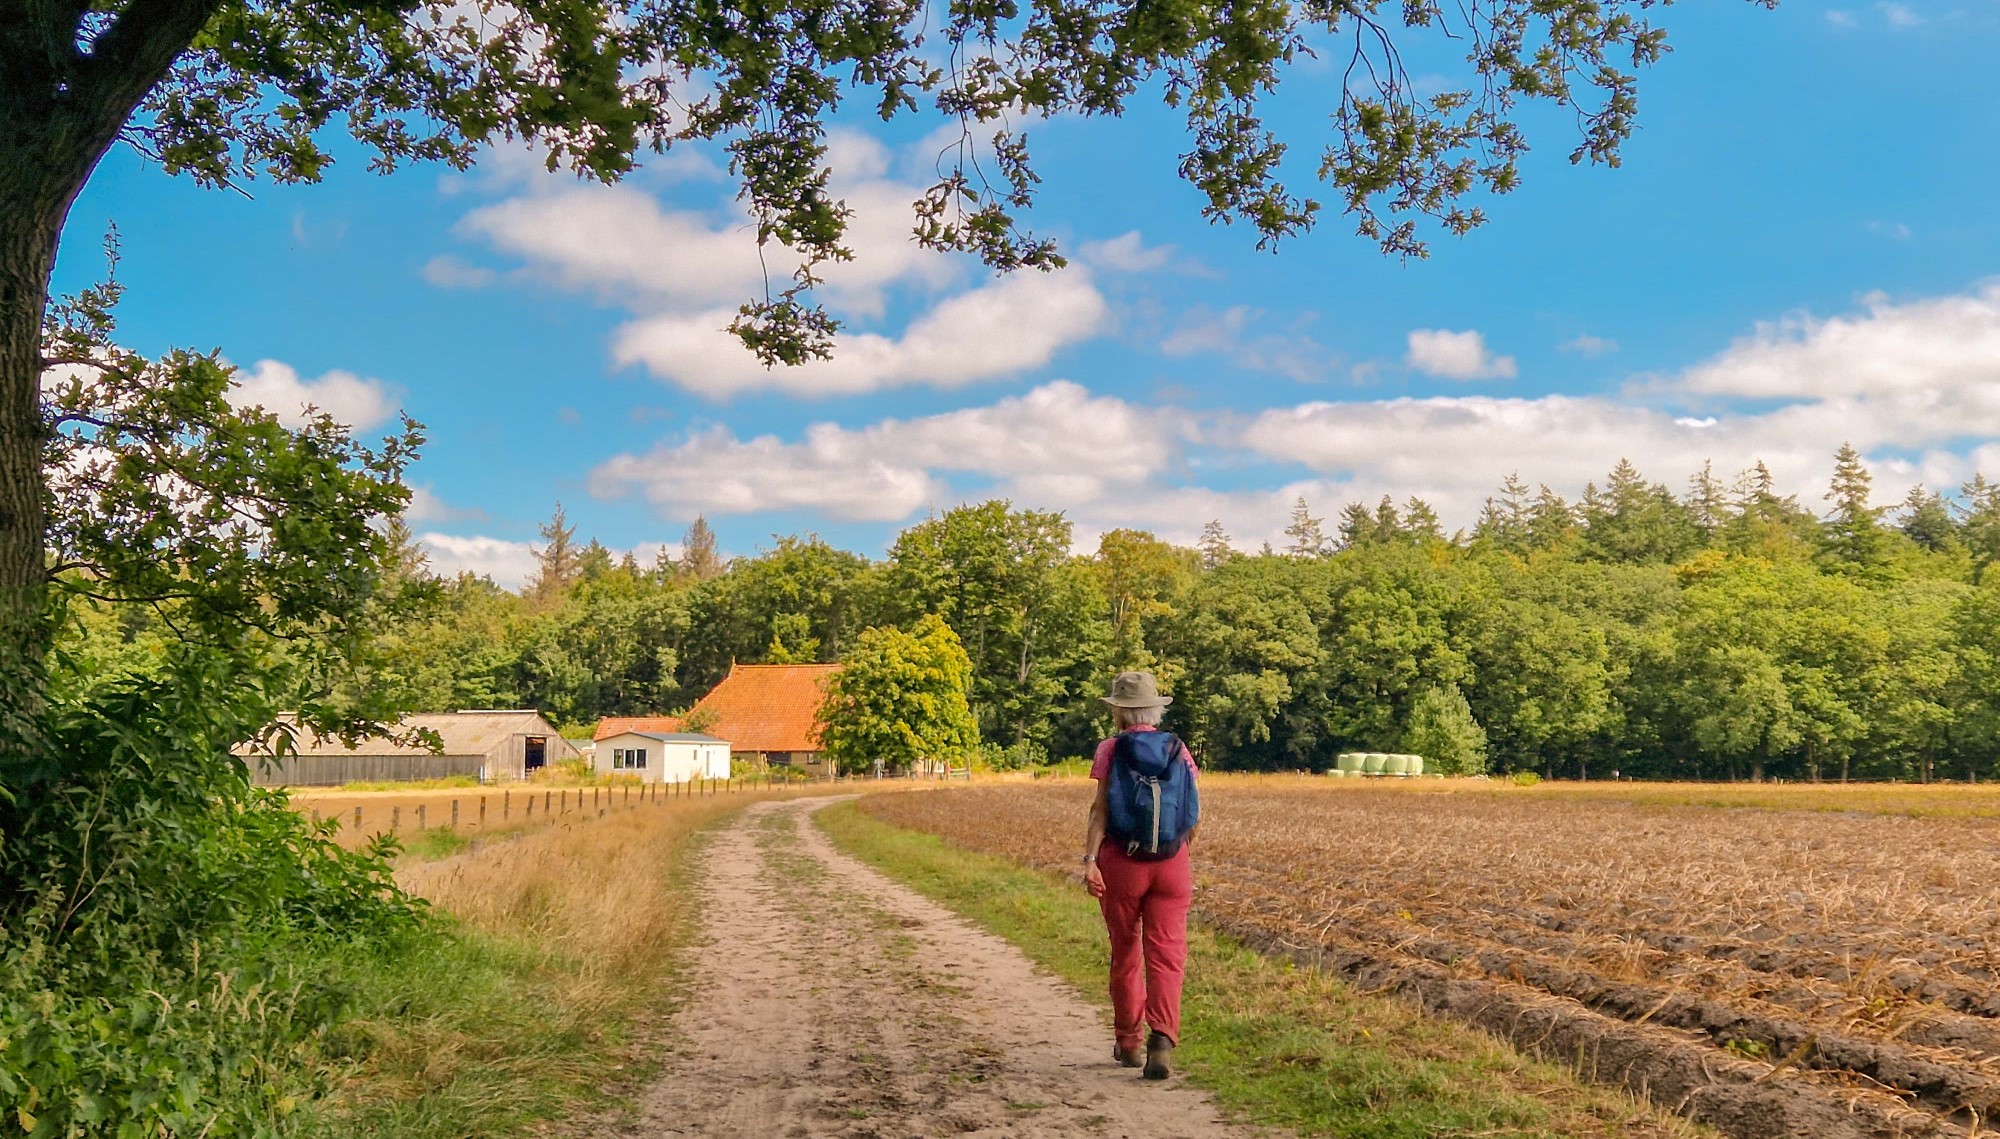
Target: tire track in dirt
<point x="845" y="1006"/>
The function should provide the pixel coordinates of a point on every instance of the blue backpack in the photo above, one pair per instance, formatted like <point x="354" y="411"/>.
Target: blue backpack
<point x="1152" y="796"/>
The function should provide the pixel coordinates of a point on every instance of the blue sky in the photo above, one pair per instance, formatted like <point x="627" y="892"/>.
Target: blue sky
<point x="1800" y="249"/>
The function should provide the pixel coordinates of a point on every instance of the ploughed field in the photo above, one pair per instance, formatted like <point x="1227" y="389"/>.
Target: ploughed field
<point x="1772" y="972"/>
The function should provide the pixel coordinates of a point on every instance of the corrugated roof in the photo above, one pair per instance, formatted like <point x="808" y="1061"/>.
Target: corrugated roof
<point x="678" y="737"/>
<point x="618" y="725"/>
<point x="768" y="707"/>
<point x="463" y="733"/>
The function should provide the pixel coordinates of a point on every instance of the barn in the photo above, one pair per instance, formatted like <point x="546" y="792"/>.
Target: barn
<point x="491" y="745"/>
<point x="662" y="757"/>
<point x="769" y="713"/>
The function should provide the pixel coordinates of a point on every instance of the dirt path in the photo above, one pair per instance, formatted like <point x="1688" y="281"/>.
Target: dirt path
<point x="844" y="1005"/>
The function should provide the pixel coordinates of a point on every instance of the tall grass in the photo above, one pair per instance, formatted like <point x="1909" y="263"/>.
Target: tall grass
<point x="533" y="995"/>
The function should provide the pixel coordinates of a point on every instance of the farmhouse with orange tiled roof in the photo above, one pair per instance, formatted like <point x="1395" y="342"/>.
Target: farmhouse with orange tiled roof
<point x="768" y="710"/>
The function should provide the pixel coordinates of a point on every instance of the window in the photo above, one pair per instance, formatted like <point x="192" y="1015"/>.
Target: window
<point x="628" y="759"/>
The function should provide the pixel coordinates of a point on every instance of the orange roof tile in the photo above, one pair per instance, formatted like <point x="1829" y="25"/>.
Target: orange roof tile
<point x="618" y="725"/>
<point x="768" y="707"/>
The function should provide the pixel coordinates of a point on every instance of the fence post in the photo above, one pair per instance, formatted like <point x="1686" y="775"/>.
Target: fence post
<point x="547" y="798"/>
<point x="506" y="803"/>
<point x="531" y="808"/>
<point x="482" y="812"/>
<point x="420" y="816"/>
<point x="395" y="819"/>
<point x="357" y="820"/>
<point x="454" y="814"/>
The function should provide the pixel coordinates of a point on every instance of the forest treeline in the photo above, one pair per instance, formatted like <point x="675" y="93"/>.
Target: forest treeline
<point x="1721" y="631"/>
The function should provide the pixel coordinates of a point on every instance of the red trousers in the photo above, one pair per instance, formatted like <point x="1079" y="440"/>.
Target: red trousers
<point x="1145" y="908"/>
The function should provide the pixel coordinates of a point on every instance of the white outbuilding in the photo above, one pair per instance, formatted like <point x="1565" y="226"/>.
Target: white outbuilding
<point x="663" y="757"/>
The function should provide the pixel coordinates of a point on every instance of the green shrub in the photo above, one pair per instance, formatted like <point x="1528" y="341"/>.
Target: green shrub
<point x="1524" y="779"/>
<point x="163" y="959"/>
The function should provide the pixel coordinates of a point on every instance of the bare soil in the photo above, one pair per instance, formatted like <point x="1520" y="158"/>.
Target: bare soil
<point x="1776" y="974"/>
<point x="840" y="1004"/>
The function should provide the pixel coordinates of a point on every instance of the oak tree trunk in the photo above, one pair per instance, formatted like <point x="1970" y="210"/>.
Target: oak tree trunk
<point x="61" y="108"/>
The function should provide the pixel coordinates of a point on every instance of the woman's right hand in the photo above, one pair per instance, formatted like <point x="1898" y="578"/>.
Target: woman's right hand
<point x="1093" y="879"/>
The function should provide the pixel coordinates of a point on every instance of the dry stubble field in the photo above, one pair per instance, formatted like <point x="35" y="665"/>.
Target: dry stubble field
<point x="1815" y="972"/>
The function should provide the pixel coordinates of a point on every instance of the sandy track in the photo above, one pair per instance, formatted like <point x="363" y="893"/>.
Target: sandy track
<point x="844" y="1005"/>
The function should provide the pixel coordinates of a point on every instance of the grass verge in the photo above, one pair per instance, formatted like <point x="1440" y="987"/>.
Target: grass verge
<point x="1273" y="1044"/>
<point x="535" y="996"/>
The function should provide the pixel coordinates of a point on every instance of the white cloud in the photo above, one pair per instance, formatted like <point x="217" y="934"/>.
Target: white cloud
<point x="1895" y="229"/>
<point x="1840" y="19"/>
<point x="509" y="564"/>
<point x="1055" y="446"/>
<point x="449" y="272"/>
<point x="1584" y="344"/>
<point x="1945" y="349"/>
<point x="1006" y="326"/>
<point x="1233" y="333"/>
<point x="426" y="506"/>
<point x="278" y="389"/>
<point x="1456" y="355"/>
<point x="1126" y="253"/>
<point x="682" y="273"/>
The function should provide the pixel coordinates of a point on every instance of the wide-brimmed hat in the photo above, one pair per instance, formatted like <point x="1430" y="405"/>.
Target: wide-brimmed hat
<point x="1136" y="690"/>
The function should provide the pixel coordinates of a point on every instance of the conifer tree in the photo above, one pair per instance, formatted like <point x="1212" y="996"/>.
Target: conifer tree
<point x="699" y="559"/>
<point x="558" y="561"/>
<point x="1707" y="502"/>
<point x="1979" y="525"/>
<point x="1306" y="532"/>
<point x="1214" y="545"/>
<point x="1926" y="520"/>
<point x="1853" y="537"/>
<point x="1420" y="520"/>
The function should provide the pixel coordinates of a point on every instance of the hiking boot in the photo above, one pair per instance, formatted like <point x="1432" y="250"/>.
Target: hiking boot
<point x="1158" y="1050"/>
<point x="1127" y="1057"/>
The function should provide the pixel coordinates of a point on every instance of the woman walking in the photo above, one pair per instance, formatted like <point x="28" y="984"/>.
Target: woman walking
<point x="1135" y="863"/>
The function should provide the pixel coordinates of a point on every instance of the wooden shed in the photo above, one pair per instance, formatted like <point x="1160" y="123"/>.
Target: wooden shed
<point x="663" y="757"/>
<point x="491" y="745"/>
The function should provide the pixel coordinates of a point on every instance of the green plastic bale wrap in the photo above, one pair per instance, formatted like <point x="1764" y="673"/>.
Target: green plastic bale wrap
<point x="1371" y="764"/>
<point x="1416" y="765"/>
<point x="1335" y="773"/>
<point x="1349" y="761"/>
<point x="1396" y="765"/>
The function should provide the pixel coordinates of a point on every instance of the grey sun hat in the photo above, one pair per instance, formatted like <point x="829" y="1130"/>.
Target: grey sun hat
<point x="1136" y="690"/>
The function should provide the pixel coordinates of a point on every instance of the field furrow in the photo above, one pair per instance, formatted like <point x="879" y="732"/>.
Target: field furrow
<point x="1776" y="973"/>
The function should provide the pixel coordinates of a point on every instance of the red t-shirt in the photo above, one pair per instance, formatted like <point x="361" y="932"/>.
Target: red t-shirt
<point x="1100" y="764"/>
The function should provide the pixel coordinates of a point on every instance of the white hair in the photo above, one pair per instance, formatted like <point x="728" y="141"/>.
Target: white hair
<point x="1124" y="718"/>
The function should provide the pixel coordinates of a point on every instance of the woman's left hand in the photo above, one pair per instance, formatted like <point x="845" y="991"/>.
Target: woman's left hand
<point x="1093" y="879"/>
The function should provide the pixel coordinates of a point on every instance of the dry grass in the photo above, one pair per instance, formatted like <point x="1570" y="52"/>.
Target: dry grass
<point x="1867" y="943"/>
<point x="506" y="809"/>
<point x="544" y="997"/>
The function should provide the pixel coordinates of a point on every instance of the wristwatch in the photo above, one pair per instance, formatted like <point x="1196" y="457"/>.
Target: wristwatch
<point x="1089" y="858"/>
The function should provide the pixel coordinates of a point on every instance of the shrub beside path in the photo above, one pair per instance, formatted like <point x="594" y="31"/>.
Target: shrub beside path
<point x="841" y="1004"/>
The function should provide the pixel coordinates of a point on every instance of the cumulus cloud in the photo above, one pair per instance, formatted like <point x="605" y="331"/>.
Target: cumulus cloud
<point x="1888" y="349"/>
<point x="1057" y="445"/>
<point x="682" y="272"/>
<point x="1006" y="326"/>
<point x="509" y="564"/>
<point x="278" y="389"/>
<point x="1456" y="355"/>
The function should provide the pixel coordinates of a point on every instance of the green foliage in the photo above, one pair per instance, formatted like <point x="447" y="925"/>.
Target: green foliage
<point x="1442" y="730"/>
<point x="1524" y="779"/>
<point x="157" y="969"/>
<point x="900" y="699"/>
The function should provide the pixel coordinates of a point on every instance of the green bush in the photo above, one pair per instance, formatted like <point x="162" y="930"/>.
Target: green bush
<point x="1524" y="779"/>
<point x="164" y="961"/>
